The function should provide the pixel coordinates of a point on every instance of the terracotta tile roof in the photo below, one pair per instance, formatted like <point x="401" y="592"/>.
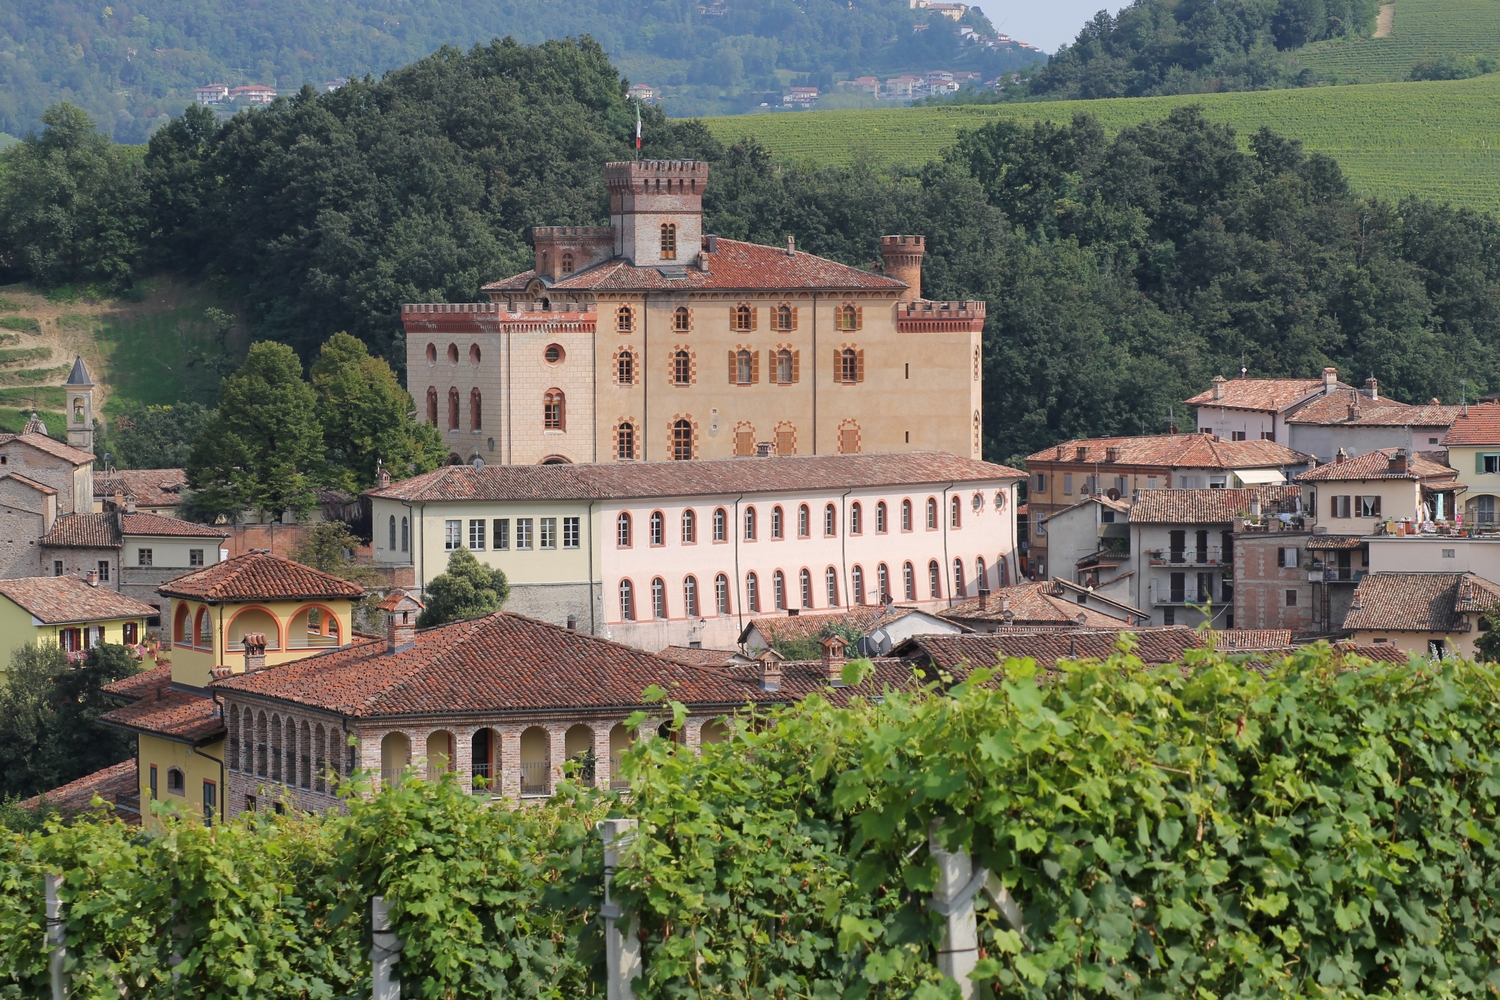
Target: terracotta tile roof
<point x="1259" y="393"/>
<point x="1378" y="651"/>
<point x="159" y="526"/>
<point x="801" y="678"/>
<point x="63" y="600"/>
<point x="736" y="265"/>
<point x="84" y="531"/>
<point x="1335" y="542"/>
<point x="793" y="628"/>
<point x="259" y="575"/>
<point x="709" y="477"/>
<point x="112" y="784"/>
<point x="1377" y="465"/>
<point x="142" y="684"/>
<point x="162" y="710"/>
<point x="1177" y="451"/>
<point x="496" y="663"/>
<point x="1209" y="506"/>
<point x="1419" y="602"/>
<point x="1041" y="603"/>
<point x="956" y="653"/>
<point x="1333" y="409"/>
<point x="698" y="656"/>
<point x="150" y="487"/>
<point x="51" y="446"/>
<point x="40" y="487"/>
<point x="1481" y="426"/>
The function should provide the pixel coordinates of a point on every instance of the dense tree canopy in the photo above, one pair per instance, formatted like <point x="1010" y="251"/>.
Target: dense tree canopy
<point x="466" y="590"/>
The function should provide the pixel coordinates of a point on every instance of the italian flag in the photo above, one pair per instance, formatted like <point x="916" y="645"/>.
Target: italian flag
<point x="638" y="125"/>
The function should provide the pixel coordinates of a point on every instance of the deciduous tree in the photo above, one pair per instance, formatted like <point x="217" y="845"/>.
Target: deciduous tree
<point x="367" y="418"/>
<point x="466" y="590"/>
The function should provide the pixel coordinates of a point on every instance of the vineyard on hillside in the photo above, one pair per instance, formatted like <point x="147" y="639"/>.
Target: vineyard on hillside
<point x="1439" y="140"/>
<point x="1424" y="29"/>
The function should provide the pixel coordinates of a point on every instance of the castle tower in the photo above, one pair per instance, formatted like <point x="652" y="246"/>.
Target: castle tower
<point x="903" y="261"/>
<point x="80" y="395"/>
<point x="656" y="210"/>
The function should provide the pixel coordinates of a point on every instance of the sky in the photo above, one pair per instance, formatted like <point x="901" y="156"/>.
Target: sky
<point x="1047" y="24"/>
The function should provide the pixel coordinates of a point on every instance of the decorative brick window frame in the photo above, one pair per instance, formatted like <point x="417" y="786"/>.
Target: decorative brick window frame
<point x="976" y="363"/>
<point x="672" y="366"/>
<point x="671" y="429"/>
<point x="734" y="364"/>
<point x="850" y="426"/>
<point x="635" y="364"/>
<point x="771" y="370"/>
<point x="788" y="429"/>
<point x="744" y="427"/>
<point x="625" y="312"/>
<point x="635" y="448"/>
<point x="776" y="317"/>
<point x="688" y="311"/>
<point x="839" y="317"/>
<point x="734" y="311"/>
<point x="838" y="364"/>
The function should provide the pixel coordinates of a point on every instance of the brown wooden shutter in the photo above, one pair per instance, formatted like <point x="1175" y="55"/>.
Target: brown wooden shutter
<point x="838" y="359"/>
<point x="859" y="366"/>
<point x="732" y="373"/>
<point x="754" y="367"/>
<point x="859" y="317"/>
<point x="794" y="317"/>
<point x="796" y="365"/>
<point x="754" y="318"/>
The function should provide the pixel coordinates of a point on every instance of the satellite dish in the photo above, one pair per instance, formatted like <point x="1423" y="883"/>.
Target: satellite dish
<point x="1113" y="493"/>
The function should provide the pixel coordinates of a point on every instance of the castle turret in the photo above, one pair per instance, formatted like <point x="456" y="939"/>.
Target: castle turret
<point x="903" y="261"/>
<point x="656" y="210"/>
<point x="80" y="390"/>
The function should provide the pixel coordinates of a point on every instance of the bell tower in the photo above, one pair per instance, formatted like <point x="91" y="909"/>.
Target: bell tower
<point x="656" y="210"/>
<point x="80" y="401"/>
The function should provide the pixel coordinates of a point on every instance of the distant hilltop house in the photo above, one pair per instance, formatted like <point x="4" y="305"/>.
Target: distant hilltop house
<point x="330" y="86"/>
<point x="212" y="93"/>
<point x="642" y="92"/>
<point x="953" y="10"/>
<point x="862" y="84"/>
<point x="255" y="93"/>
<point x="803" y="97"/>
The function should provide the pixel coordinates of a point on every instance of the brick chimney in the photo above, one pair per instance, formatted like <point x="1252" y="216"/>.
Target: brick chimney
<point x="1004" y="603"/>
<point x="984" y="598"/>
<point x="903" y="261"/>
<point x="92" y="579"/>
<point x="1330" y="380"/>
<point x="1219" y="381"/>
<point x="770" y="670"/>
<point x="1340" y="456"/>
<point x="130" y="503"/>
<point x="401" y="610"/>
<point x="255" y="651"/>
<point x="383" y="478"/>
<point x="1398" y="460"/>
<point x="833" y="659"/>
<point x="1372" y="388"/>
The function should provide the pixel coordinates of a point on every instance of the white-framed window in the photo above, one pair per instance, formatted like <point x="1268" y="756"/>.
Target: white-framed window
<point x="476" y="534"/>
<point x="501" y="538"/>
<point x="195" y="558"/>
<point x="142" y="558"/>
<point x="453" y="534"/>
<point x="548" y="534"/>
<point x="523" y="532"/>
<point x="570" y="532"/>
<point x="1369" y="506"/>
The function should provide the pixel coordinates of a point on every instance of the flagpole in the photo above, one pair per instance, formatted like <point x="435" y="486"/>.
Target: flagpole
<point x="638" y="128"/>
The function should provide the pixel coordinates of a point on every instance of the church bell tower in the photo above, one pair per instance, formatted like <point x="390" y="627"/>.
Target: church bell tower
<point x="80" y="396"/>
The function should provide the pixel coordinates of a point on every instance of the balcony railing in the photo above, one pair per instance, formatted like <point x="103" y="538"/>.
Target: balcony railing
<point x="391" y="776"/>
<point x="1211" y="556"/>
<point x="536" y="777"/>
<point x="482" y="782"/>
<point x="581" y="769"/>
<point x="616" y="780"/>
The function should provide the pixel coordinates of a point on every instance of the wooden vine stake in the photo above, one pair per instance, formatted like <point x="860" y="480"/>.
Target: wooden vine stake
<point x="57" y="938"/>
<point x="622" y="949"/>
<point x="953" y="898"/>
<point x="385" y="952"/>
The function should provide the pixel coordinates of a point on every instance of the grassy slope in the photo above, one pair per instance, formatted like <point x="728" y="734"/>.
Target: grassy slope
<point x="1441" y="140"/>
<point x="1423" y="29"/>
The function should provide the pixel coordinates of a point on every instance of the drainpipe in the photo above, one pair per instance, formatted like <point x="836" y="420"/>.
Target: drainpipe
<point x="422" y="572"/>
<point x="510" y="350"/>
<point x="943" y="519"/>
<point x="219" y="639"/>
<point x="739" y="597"/>
<point x="411" y="537"/>
<point x="844" y="543"/>
<point x="815" y="373"/>
<point x="592" y="601"/>
<point x="645" y="378"/>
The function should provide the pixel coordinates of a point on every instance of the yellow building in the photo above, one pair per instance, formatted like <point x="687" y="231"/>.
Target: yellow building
<point x="1427" y="614"/>
<point x="67" y="612"/>
<point x="1473" y="444"/>
<point x="241" y="615"/>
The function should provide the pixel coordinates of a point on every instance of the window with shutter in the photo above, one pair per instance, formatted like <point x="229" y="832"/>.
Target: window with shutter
<point x="859" y="366"/>
<point x="744" y="443"/>
<point x="754" y="367"/>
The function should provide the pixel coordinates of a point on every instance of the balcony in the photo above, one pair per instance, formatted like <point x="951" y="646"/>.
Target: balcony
<point x="1211" y="556"/>
<point x="536" y="777"/>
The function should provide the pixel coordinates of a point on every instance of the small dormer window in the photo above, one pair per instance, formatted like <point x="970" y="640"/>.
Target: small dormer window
<point x="567" y="263"/>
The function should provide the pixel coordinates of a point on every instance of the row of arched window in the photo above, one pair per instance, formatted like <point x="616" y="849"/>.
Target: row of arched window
<point x="312" y="627"/>
<point x="864" y="590"/>
<point x="405" y="537"/>
<point x="776" y="525"/>
<point x="554" y="409"/>
<point x="293" y="752"/>
<point x="742" y="318"/>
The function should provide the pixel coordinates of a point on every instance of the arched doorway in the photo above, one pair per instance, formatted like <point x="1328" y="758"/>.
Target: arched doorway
<point x="578" y="744"/>
<point x="395" y="754"/>
<point x="714" y="731"/>
<point x="619" y="742"/>
<point x="485" y="753"/>
<point x="439" y="754"/>
<point x="536" y="762"/>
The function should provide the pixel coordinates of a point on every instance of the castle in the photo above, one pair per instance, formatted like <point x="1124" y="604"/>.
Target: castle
<point x="648" y="340"/>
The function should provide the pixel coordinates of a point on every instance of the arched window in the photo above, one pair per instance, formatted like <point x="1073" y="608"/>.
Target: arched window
<point x="857" y="581"/>
<point x="959" y="590"/>
<point x="934" y="580"/>
<point x="432" y="408"/>
<point x="627" y="601"/>
<point x="1002" y="567"/>
<point x="204" y="631"/>
<point x="776" y="522"/>
<point x="830" y="521"/>
<point x="956" y="513"/>
<point x="831" y="580"/>
<point x="848" y="318"/>
<point x="721" y="525"/>
<point x="689" y="527"/>
<point x="453" y="409"/>
<point x="880" y="526"/>
<point x="882" y="584"/>
<point x="806" y="581"/>
<point x="668" y="241"/>
<point x="405" y="535"/>
<point x="392" y="544"/>
<point x="658" y="528"/>
<point x="749" y="524"/>
<point x="658" y="598"/>
<point x="690" y="596"/>
<point x="453" y="354"/>
<point x="476" y="410"/>
<point x="175" y="782"/>
<point x="431" y="354"/>
<point x="554" y="410"/>
<point x="785" y="368"/>
<point x="721" y="594"/>
<point x="909" y="578"/>
<point x="744" y="319"/>
<point x="980" y="575"/>
<point x="744" y="367"/>
<point x="932" y="514"/>
<point x="181" y="633"/>
<point x="752" y="593"/>
<point x="567" y="263"/>
<point x="682" y="440"/>
<point x="680" y="320"/>
<point x="849" y="366"/>
<point x="1484" y="510"/>
<point x="804" y="517"/>
<point x="783" y="317"/>
<point x="622" y="530"/>
<point x="625" y="442"/>
<point x="856" y="519"/>
<point x="682" y="368"/>
<point x="474" y="355"/>
<point x="625" y="368"/>
<point x="778" y="583"/>
<point x="624" y="319"/>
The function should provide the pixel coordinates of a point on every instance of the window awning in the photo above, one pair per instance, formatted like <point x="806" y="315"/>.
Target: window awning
<point x="1259" y="477"/>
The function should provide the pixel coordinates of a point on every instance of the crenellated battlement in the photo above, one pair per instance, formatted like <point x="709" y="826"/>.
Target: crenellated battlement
<point x="930" y="316"/>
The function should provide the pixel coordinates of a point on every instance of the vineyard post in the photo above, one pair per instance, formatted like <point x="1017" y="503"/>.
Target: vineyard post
<point x="385" y="952"/>
<point x="57" y="938"/>
<point x="622" y="950"/>
<point x="953" y="898"/>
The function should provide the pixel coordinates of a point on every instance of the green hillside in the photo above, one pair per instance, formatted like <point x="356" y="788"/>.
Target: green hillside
<point x="1421" y="30"/>
<point x="1441" y="140"/>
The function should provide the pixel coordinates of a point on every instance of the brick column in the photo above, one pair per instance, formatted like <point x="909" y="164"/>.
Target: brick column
<point x="510" y="762"/>
<point x="602" y="752"/>
<point x="369" y="754"/>
<point x="692" y="732"/>
<point x="557" y="751"/>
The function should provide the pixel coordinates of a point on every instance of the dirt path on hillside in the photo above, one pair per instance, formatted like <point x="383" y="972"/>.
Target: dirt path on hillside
<point x="1385" y="20"/>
